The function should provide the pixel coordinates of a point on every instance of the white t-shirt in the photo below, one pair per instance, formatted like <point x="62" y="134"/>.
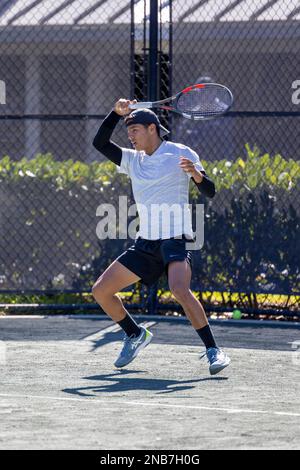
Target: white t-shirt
<point x="161" y="189"/>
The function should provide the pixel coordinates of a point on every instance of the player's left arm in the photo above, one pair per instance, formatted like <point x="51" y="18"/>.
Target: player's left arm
<point x="205" y="185"/>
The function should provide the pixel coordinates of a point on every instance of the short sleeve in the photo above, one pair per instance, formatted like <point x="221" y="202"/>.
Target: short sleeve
<point x="194" y="157"/>
<point x="126" y="161"/>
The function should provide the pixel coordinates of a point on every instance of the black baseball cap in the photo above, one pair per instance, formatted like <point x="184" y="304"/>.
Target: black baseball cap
<point x="145" y="116"/>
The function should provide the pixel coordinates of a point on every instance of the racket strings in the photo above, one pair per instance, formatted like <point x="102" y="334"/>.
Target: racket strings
<point x="205" y="101"/>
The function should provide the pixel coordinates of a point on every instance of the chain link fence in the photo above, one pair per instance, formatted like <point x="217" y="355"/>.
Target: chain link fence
<point x="252" y="226"/>
<point x="65" y="63"/>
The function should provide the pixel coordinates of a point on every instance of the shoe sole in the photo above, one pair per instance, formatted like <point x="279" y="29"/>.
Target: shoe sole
<point x="139" y="349"/>
<point x="215" y="370"/>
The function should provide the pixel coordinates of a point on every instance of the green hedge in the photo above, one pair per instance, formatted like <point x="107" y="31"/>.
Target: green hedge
<point x="48" y="221"/>
<point x="249" y="172"/>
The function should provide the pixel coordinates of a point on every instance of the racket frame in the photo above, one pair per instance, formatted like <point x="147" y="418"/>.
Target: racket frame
<point x="193" y="116"/>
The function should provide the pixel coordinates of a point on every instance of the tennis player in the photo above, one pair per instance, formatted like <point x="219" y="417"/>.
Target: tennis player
<point x="160" y="172"/>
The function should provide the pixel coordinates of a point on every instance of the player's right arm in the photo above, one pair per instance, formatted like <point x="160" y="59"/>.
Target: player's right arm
<point x="102" y="140"/>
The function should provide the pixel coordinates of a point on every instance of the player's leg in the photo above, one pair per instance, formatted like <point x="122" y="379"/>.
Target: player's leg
<point x="179" y="277"/>
<point x="178" y="261"/>
<point x="115" y="278"/>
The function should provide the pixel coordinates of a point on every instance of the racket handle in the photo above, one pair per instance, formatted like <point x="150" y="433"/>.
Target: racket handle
<point x="141" y="105"/>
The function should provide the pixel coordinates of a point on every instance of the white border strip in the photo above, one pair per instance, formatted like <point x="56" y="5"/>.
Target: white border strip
<point x="162" y="318"/>
<point x="2" y="92"/>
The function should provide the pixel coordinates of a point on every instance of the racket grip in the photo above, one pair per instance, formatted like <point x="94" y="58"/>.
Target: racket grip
<point x="142" y="105"/>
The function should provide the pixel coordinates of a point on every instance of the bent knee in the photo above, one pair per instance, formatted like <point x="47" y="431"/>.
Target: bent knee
<point x="102" y="289"/>
<point x="180" y="292"/>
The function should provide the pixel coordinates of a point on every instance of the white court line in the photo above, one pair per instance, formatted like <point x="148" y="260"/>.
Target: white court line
<point x="113" y="329"/>
<point x="156" y="405"/>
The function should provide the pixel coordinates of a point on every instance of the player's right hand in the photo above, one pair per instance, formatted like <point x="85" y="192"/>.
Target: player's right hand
<point x="122" y="106"/>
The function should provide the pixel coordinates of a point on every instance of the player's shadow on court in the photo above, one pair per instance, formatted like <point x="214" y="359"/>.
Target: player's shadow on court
<point x="120" y="382"/>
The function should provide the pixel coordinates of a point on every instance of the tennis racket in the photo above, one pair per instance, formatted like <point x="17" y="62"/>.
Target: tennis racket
<point x="197" y="102"/>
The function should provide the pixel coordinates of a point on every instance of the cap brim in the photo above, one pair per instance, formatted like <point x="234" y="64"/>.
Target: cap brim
<point x="163" y="131"/>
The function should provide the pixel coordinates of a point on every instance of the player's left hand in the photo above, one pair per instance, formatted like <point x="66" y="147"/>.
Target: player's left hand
<point x="189" y="167"/>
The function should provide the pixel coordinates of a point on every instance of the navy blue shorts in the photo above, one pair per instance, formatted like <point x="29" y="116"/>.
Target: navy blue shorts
<point x="149" y="259"/>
